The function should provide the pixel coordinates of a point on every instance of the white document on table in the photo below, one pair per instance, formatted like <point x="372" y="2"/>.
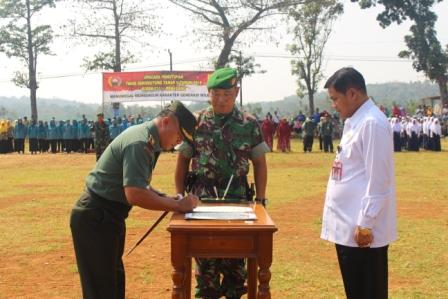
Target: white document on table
<point x="222" y="213"/>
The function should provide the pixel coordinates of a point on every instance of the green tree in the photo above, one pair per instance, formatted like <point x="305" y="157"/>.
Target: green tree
<point x="22" y="39"/>
<point x="225" y="20"/>
<point x="424" y="48"/>
<point x="312" y="27"/>
<point x="426" y="52"/>
<point x="114" y="24"/>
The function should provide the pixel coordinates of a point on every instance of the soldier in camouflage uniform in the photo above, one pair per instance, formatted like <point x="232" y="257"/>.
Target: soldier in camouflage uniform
<point x="327" y="134"/>
<point x="225" y="140"/>
<point x="308" y="135"/>
<point x="102" y="136"/>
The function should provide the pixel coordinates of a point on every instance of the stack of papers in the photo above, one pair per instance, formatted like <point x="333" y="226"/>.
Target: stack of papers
<point x="222" y="213"/>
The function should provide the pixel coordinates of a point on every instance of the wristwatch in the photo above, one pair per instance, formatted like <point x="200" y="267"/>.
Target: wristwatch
<point x="263" y="201"/>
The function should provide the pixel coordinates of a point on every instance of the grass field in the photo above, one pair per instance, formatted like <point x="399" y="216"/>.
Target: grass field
<point x="37" y="258"/>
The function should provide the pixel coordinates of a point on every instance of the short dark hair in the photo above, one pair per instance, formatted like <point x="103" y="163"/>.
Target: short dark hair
<point x="346" y="78"/>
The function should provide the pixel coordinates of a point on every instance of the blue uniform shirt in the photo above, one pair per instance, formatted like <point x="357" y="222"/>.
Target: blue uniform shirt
<point x="20" y="131"/>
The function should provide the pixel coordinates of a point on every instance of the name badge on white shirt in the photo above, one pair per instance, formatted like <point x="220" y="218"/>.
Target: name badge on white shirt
<point x="336" y="169"/>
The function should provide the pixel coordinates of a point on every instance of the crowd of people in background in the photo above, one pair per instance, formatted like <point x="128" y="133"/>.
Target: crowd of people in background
<point x="62" y="136"/>
<point x="423" y="130"/>
<point x="321" y="125"/>
<point x="412" y="133"/>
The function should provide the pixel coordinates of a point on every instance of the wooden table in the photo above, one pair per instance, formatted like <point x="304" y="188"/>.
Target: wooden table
<point x="222" y="239"/>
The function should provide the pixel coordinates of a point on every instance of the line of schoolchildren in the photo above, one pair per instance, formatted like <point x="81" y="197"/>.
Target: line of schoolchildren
<point x="56" y="136"/>
<point x="412" y="133"/>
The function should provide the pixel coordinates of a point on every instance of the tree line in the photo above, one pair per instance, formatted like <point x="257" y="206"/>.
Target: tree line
<point x="225" y="27"/>
<point x="407" y="95"/>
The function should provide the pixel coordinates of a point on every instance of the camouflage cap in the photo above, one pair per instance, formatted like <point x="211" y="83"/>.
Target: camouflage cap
<point x="100" y="114"/>
<point x="224" y="78"/>
<point x="187" y="121"/>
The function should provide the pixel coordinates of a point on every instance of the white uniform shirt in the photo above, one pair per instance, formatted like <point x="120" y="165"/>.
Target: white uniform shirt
<point x="396" y="126"/>
<point x="436" y="128"/>
<point x="365" y="194"/>
<point x="425" y="127"/>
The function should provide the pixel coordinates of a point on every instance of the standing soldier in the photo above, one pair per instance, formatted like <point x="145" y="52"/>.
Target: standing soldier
<point x="319" y="133"/>
<point x="327" y="134"/>
<point x="101" y="130"/>
<point x="226" y="139"/>
<point x="308" y="135"/>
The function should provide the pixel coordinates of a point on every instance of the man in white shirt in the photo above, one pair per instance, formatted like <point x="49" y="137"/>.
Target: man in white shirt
<point x="360" y="214"/>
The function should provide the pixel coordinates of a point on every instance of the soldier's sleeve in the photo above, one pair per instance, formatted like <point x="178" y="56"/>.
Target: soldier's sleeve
<point x="137" y="165"/>
<point x="258" y="145"/>
<point x="185" y="149"/>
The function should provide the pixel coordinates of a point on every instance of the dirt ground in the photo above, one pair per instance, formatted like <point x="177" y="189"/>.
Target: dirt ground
<point x="31" y="273"/>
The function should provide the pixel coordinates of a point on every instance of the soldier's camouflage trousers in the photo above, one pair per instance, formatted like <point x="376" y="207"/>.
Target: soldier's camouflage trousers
<point x="208" y="278"/>
<point x="99" y="149"/>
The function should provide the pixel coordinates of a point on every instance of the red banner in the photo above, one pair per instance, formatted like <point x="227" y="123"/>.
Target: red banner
<point x="155" y="86"/>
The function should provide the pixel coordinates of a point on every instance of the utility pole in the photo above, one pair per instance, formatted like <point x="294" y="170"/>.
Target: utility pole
<point x="171" y="60"/>
<point x="171" y="69"/>
<point x="240" y="70"/>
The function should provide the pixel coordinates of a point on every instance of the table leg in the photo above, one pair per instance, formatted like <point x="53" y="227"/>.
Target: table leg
<point x="252" y="268"/>
<point x="178" y="260"/>
<point x="188" y="277"/>
<point x="264" y="262"/>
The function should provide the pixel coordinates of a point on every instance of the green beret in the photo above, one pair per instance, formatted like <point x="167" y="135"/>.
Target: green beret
<point x="100" y="114"/>
<point x="224" y="78"/>
<point x="187" y="121"/>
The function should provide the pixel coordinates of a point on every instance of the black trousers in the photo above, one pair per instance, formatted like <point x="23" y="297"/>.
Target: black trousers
<point x="84" y="145"/>
<point x="53" y="146"/>
<point x="98" y="231"/>
<point x="42" y="145"/>
<point x="33" y="145"/>
<point x="19" y="145"/>
<point x="308" y="143"/>
<point x="397" y="142"/>
<point x="3" y="146"/>
<point x="328" y="143"/>
<point x="364" y="271"/>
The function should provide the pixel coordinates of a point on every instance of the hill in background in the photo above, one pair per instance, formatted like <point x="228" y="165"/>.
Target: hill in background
<point x="403" y="94"/>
